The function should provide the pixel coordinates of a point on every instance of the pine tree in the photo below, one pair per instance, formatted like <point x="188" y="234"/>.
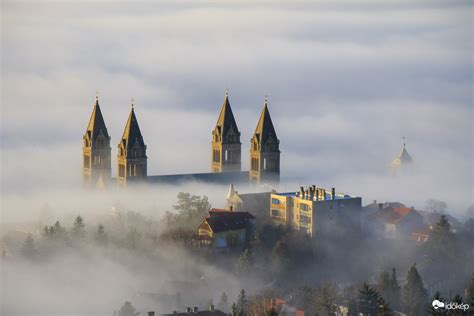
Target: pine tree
<point x="242" y="303"/>
<point x="127" y="309"/>
<point x="46" y="232"/>
<point x="100" y="235"/>
<point x="367" y="300"/>
<point x="234" y="310"/>
<point x="223" y="303"/>
<point x="394" y="299"/>
<point x="385" y="285"/>
<point x="57" y="230"/>
<point x="29" y="248"/>
<point x="371" y="303"/>
<point x="442" y="243"/>
<point x="414" y="293"/>
<point x="78" y="231"/>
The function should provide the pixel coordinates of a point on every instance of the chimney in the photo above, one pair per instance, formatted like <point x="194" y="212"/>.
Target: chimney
<point x="188" y="309"/>
<point x="316" y="194"/>
<point x="302" y="192"/>
<point x="324" y="194"/>
<point x="333" y="193"/>
<point x="380" y="206"/>
<point x="307" y="194"/>
<point x="375" y="202"/>
<point x="311" y="193"/>
<point x="195" y="309"/>
<point x="151" y="313"/>
<point x="211" y="308"/>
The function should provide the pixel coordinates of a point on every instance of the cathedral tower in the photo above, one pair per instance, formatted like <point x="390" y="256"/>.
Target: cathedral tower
<point x="131" y="158"/>
<point x="96" y="150"/>
<point x="225" y="145"/>
<point x="264" y="151"/>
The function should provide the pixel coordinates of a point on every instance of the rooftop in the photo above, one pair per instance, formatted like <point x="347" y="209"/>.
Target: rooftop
<point x="228" y="221"/>
<point x="338" y="196"/>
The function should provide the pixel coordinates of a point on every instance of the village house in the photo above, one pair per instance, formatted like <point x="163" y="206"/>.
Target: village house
<point x="394" y="222"/>
<point x="224" y="229"/>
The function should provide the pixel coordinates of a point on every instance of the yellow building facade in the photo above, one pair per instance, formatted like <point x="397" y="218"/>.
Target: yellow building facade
<point x="314" y="210"/>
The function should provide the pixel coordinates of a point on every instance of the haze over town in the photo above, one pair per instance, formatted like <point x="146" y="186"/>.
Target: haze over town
<point x="346" y="81"/>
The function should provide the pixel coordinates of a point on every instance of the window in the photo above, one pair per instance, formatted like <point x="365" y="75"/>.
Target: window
<point x="264" y="163"/>
<point x="305" y="219"/>
<point x="276" y="213"/>
<point x="275" y="201"/>
<point x="122" y="171"/>
<point x="226" y="155"/>
<point x="216" y="156"/>
<point x="87" y="161"/>
<point x="304" y="207"/>
<point x="254" y="163"/>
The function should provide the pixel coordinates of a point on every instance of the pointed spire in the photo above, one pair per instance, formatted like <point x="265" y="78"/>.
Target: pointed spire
<point x="132" y="133"/>
<point x="265" y="129"/>
<point x="226" y="120"/>
<point x="96" y="122"/>
<point x="404" y="155"/>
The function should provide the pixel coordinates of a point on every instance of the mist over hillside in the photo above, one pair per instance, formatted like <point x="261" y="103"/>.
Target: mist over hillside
<point x="347" y="83"/>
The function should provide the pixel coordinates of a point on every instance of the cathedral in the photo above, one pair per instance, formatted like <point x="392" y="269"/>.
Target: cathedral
<point x="226" y="153"/>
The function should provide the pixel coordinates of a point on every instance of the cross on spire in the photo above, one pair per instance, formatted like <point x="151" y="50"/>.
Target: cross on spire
<point x="265" y="96"/>
<point x="403" y="141"/>
<point x="132" y="100"/>
<point x="97" y="95"/>
<point x="226" y="92"/>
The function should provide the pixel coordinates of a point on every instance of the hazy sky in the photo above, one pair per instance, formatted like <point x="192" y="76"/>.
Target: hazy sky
<point x="346" y="81"/>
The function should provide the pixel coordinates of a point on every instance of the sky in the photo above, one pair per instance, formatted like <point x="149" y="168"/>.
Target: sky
<point x="345" y="80"/>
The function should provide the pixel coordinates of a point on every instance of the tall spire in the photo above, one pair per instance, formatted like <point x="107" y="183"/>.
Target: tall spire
<point x="226" y="120"/>
<point x="96" y="122"/>
<point x="265" y="129"/>
<point x="132" y="133"/>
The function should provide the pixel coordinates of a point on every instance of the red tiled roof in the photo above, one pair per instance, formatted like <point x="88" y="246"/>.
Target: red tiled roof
<point x="217" y="211"/>
<point x="392" y="215"/>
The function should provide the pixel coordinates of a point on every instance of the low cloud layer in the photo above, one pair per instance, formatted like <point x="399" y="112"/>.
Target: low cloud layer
<point x="345" y="81"/>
